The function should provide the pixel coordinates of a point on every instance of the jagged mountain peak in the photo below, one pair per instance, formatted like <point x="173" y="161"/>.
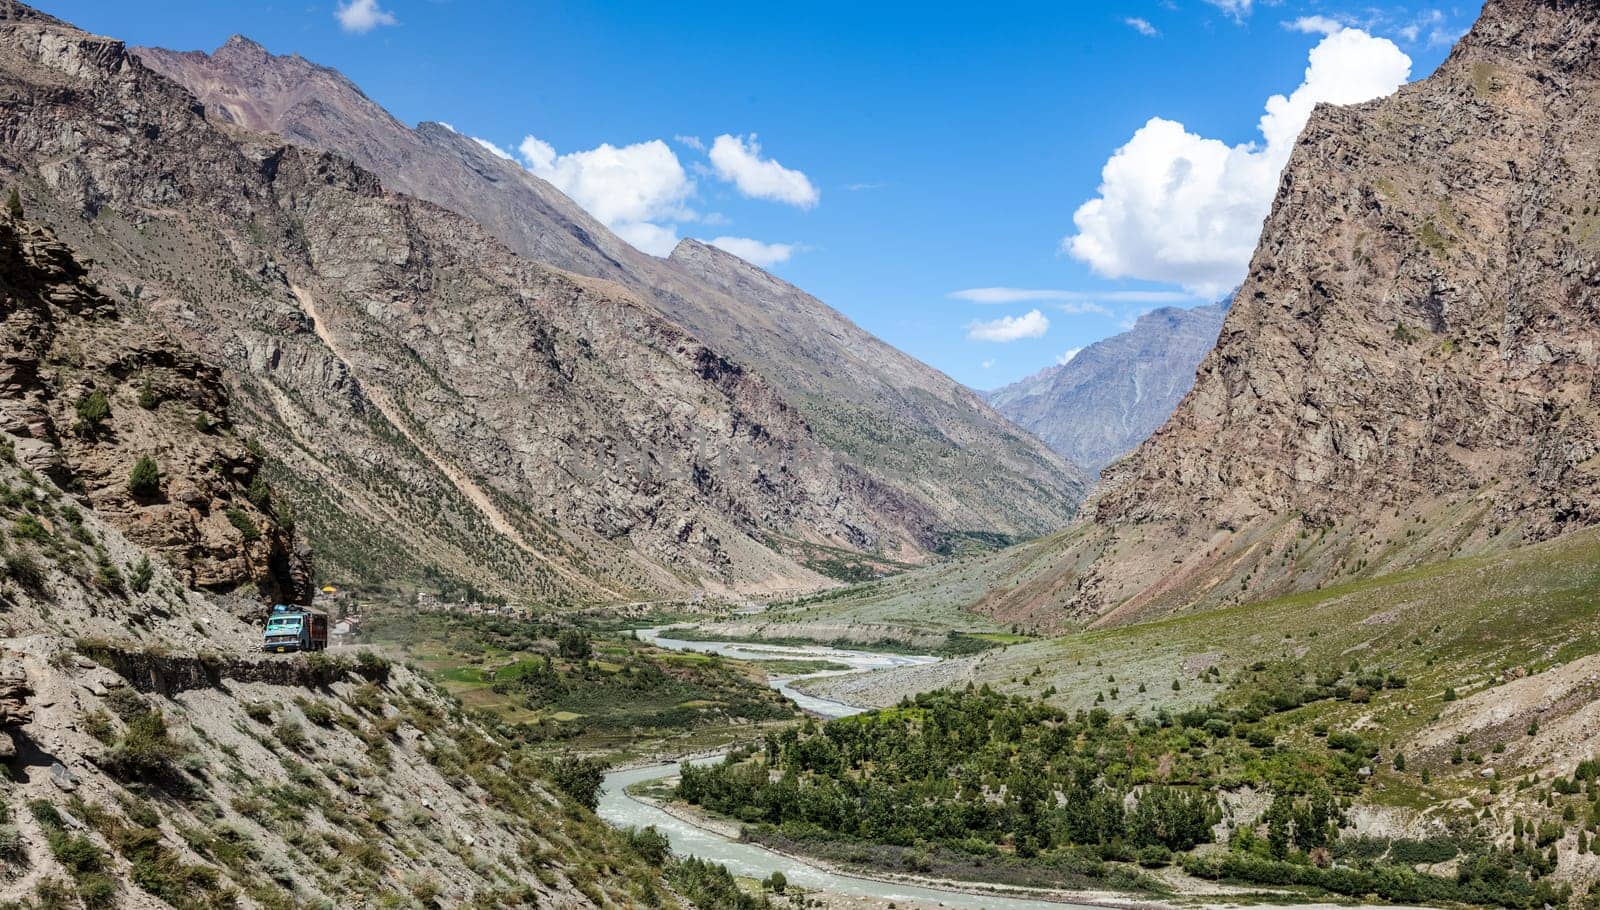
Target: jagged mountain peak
<point x="240" y="44"/>
<point x="1114" y="393"/>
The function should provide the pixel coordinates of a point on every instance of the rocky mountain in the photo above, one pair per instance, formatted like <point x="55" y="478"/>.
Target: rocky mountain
<point x="87" y="393"/>
<point x="1114" y="393"/>
<point x="428" y="400"/>
<point x="1409" y="371"/>
<point x="154" y="758"/>
<point x="924" y="437"/>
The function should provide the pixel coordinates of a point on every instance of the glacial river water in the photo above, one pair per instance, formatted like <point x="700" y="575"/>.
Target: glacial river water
<point x="622" y="810"/>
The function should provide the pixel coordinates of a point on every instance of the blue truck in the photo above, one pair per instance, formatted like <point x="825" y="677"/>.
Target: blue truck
<point x="293" y="628"/>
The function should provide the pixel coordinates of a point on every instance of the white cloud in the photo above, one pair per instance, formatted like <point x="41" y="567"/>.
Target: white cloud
<point x="1028" y="295"/>
<point x="756" y="252"/>
<point x="1080" y="309"/>
<point x="858" y="187"/>
<point x="738" y="161"/>
<point x="690" y="142"/>
<point x="632" y="189"/>
<point x="362" y="16"/>
<point x="987" y="364"/>
<point x="1178" y="207"/>
<point x="1009" y="328"/>
<point x="1066" y="357"/>
<point x="1237" y="9"/>
<point x="1315" y="25"/>
<point x="1142" y="26"/>
<point x="493" y="149"/>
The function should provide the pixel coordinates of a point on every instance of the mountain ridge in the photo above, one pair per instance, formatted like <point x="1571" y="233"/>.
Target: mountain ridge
<point x="1407" y="374"/>
<point x="1114" y="393"/>
<point x="649" y="462"/>
<point x="896" y="419"/>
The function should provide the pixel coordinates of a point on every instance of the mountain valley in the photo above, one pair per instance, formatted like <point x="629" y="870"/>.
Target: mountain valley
<point x="637" y="581"/>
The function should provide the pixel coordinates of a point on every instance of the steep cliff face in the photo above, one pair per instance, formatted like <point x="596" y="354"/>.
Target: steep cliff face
<point x="153" y="756"/>
<point x="89" y="389"/>
<point x="1409" y="371"/>
<point x="427" y="397"/>
<point x="1114" y="393"/>
<point x="939" y="452"/>
<point x="905" y="422"/>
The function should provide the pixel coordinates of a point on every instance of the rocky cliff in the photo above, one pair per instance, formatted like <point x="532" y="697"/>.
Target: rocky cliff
<point x="427" y="398"/>
<point x="931" y="443"/>
<point x="153" y="758"/>
<point x="88" y="390"/>
<point x="1409" y="371"/>
<point x="1114" y="393"/>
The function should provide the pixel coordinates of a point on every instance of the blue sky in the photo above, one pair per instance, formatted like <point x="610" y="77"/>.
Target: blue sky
<point x="904" y="153"/>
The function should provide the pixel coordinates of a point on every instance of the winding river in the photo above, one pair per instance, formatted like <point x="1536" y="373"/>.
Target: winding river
<point x="623" y="810"/>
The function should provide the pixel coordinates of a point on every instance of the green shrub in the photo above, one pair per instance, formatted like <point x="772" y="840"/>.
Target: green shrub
<point x="259" y="493"/>
<point x="26" y="571"/>
<point x="139" y="579"/>
<point x="317" y="712"/>
<point x="145" y="751"/>
<point x="579" y="778"/>
<point x="244" y="523"/>
<point x="145" y="479"/>
<point x="107" y="577"/>
<point x="94" y="409"/>
<point x="14" y="204"/>
<point x="292" y="735"/>
<point x="13" y="846"/>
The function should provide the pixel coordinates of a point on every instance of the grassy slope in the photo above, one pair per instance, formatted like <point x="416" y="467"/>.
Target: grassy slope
<point x="1470" y="624"/>
<point x="466" y="657"/>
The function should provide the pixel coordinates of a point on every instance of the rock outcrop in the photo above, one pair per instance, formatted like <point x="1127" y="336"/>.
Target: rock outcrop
<point x="88" y="390"/>
<point x="1409" y="371"/>
<point x="1114" y="393"/>
<point x="943" y="458"/>
<point x="153" y="756"/>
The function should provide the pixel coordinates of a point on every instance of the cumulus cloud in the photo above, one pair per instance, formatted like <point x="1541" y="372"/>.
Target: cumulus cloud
<point x="756" y="252"/>
<point x="1009" y="328"/>
<point x="1066" y="356"/>
<point x="1028" y="295"/>
<point x="1142" y="26"/>
<point x="1315" y="25"/>
<point x="490" y="147"/>
<point x="631" y="189"/>
<point x="361" y="16"/>
<point x="737" y="160"/>
<point x="1181" y="208"/>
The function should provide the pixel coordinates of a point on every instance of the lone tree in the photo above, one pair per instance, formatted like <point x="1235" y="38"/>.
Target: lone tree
<point x="146" y="477"/>
<point x="14" y="203"/>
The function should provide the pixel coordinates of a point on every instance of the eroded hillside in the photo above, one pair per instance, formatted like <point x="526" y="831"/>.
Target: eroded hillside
<point x="936" y="451"/>
<point x="1409" y="371"/>
<point x="155" y="757"/>
<point x="424" y="396"/>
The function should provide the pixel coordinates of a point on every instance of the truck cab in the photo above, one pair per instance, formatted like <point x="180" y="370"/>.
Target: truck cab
<point x="291" y="628"/>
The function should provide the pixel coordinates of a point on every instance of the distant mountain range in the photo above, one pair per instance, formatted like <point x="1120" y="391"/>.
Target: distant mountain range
<point x="1114" y="393"/>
